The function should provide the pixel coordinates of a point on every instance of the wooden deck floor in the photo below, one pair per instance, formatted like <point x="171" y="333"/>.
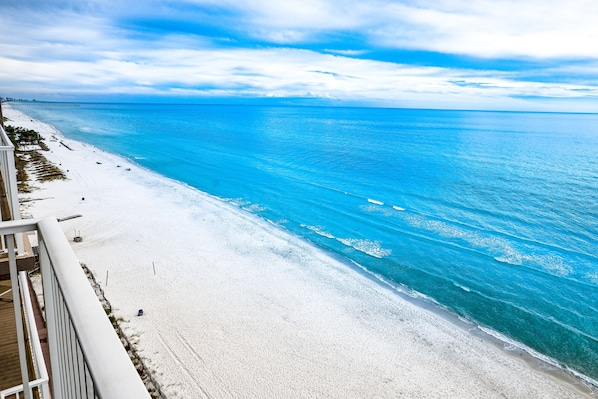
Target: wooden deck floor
<point x="10" y="367"/>
<point x="10" y="370"/>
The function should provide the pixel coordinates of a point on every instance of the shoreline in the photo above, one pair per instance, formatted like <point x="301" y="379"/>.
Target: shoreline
<point x="339" y="282"/>
<point x="535" y="360"/>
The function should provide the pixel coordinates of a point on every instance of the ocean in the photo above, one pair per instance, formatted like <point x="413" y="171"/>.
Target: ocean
<point x="490" y="215"/>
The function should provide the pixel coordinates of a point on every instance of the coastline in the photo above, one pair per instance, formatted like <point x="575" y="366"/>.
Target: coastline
<point x="238" y="307"/>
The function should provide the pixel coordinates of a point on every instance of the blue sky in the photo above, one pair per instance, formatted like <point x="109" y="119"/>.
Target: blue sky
<point x="464" y="54"/>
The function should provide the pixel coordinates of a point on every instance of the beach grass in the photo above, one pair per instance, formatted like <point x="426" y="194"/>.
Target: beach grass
<point x="29" y="159"/>
<point x="128" y="342"/>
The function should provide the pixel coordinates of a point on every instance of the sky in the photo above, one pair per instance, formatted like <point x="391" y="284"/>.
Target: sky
<point x="537" y="55"/>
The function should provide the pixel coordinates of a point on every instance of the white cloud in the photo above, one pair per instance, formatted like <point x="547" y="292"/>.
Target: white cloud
<point x="273" y="72"/>
<point x="348" y="53"/>
<point x="481" y="28"/>
<point x="90" y="52"/>
<point x="503" y="28"/>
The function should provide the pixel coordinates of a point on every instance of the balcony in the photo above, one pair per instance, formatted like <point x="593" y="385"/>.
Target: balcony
<point x="71" y="350"/>
<point x="86" y="357"/>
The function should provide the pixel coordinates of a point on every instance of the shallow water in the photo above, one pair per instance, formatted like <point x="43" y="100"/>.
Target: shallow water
<point x="493" y="215"/>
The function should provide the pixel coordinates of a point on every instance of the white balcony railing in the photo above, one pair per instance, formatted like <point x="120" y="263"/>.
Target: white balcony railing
<point x="87" y="359"/>
<point x="41" y="384"/>
<point x="9" y="181"/>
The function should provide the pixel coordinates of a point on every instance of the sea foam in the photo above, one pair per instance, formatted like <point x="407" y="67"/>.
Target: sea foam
<point x="369" y="247"/>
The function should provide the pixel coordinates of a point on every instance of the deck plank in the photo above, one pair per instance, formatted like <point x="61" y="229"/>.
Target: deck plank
<point x="10" y="370"/>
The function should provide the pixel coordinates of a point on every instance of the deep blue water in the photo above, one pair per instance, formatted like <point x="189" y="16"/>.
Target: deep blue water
<point x="493" y="215"/>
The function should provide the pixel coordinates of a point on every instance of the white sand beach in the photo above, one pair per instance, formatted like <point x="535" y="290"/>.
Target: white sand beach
<point x="235" y="307"/>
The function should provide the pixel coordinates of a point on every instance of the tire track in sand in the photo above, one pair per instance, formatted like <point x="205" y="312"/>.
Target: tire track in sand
<point x="199" y="359"/>
<point x="181" y="364"/>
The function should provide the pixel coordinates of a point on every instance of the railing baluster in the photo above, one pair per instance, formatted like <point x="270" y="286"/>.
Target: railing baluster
<point x="68" y="354"/>
<point x="50" y="297"/>
<point x="81" y="373"/>
<point x="89" y="382"/>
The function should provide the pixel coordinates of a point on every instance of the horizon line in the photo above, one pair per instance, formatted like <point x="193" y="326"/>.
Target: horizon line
<point x="282" y="105"/>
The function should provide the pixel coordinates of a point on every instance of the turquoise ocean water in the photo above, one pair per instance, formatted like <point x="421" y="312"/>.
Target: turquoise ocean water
<point x="493" y="215"/>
